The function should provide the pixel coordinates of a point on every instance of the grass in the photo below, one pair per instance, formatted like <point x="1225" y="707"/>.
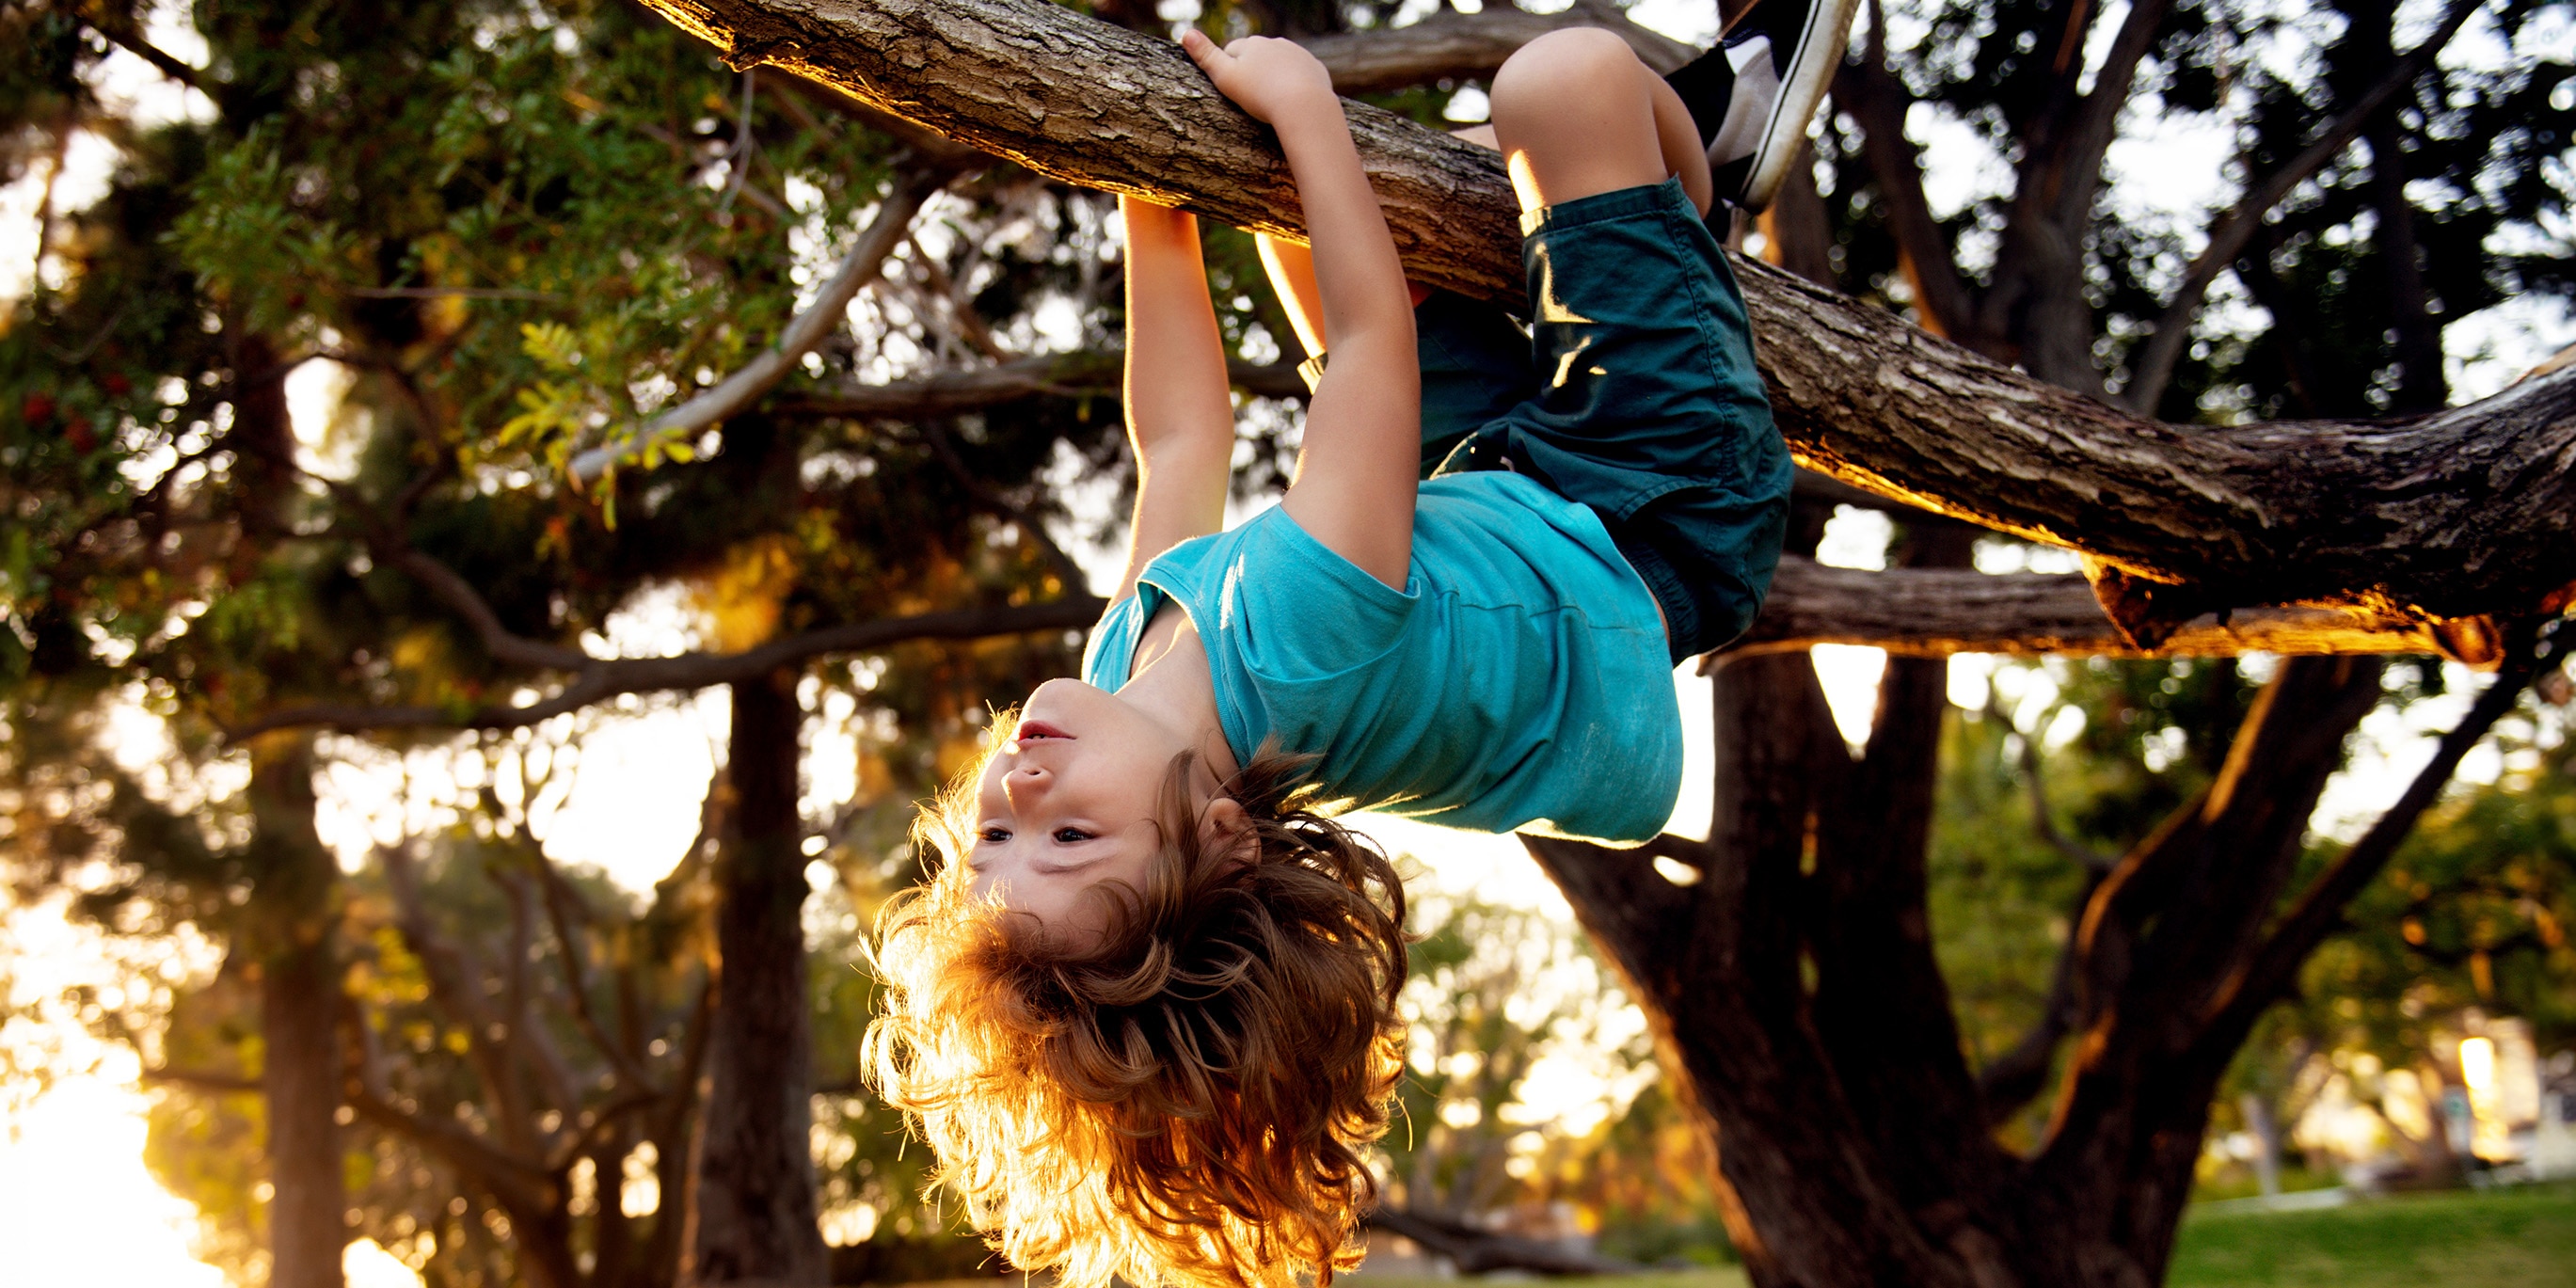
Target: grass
<point x="2519" y="1238"/>
<point x="1713" y="1277"/>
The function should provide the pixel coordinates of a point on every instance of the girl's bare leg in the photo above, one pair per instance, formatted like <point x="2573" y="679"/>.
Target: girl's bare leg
<point x="1291" y="267"/>
<point x="1576" y="115"/>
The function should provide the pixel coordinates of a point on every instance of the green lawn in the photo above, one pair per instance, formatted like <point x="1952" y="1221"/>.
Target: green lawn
<point x="2520" y="1238"/>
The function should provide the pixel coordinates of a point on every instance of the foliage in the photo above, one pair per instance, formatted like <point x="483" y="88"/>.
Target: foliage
<point x="2475" y="147"/>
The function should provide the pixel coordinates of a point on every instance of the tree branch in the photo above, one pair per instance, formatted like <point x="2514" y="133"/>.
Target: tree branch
<point x="1878" y="102"/>
<point x="519" y="1183"/>
<point x="1067" y="572"/>
<point x="1931" y="612"/>
<point x="505" y="646"/>
<point x="2043" y="819"/>
<point x="208" y="1080"/>
<point x="2454" y="515"/>
<point x="564" y="905"/>
<point x="953" y="393"/>
<point x="133" y="43"/>
<point x="2270" y="970"/>
<point x="607" y="678"/>
<point x="1450" y="45"/>
<point x="2153" y="369"/>
<point x="1475" y="1250"/>
<point x="739" y="390"/>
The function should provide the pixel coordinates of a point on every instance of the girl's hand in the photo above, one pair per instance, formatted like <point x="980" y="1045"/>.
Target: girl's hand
<point x="1270" y="78"/>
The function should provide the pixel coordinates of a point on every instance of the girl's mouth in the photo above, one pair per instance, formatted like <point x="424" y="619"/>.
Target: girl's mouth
<point x="1032" y="730"/>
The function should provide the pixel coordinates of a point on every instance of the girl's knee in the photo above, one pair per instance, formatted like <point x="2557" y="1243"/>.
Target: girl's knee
<point x="1571" y="62"/>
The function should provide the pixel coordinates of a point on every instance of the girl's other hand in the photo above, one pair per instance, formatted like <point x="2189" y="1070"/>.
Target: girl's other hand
<point x="1267" y="77"/>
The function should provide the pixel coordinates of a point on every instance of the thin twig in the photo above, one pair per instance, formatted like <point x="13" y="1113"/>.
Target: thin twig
<point x="740" y="157"/>
<point x="2042" y="818"/>
<point x="162" y="61"/>
<point x="984" y="494"/>
<point x="757" y="376"/>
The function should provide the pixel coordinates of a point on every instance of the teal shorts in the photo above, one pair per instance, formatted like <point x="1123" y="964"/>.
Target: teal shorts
<point x="1632" y="392"/>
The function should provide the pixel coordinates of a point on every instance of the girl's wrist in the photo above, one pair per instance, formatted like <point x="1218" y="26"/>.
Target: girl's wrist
<point x="1320" y="120"/>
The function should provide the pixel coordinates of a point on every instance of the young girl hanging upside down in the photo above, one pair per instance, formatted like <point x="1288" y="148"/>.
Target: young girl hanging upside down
<point x="1144" y="1010"/>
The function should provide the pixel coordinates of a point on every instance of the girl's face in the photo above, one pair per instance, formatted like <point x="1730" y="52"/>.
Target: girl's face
<point x="1071" y="801"/>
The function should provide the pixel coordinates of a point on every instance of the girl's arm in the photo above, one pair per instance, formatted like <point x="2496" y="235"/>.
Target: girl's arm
<point x="1354" y="488"/>
<point x="1180" y="413"/>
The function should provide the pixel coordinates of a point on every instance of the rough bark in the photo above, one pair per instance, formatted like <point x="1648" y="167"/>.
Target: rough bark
<point x="1931" y="612"/>
<point x="2453" y="515"/>
<point x="751" y="1213"/>
<point x="296" y="886"/>
<point x="1450" y="45"/>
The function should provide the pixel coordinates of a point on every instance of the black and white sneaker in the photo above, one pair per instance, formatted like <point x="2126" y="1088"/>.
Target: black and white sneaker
<point x="1752" y="95"/>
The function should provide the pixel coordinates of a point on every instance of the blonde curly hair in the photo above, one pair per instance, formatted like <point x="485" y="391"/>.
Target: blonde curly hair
<point x="1184" y="1099"/>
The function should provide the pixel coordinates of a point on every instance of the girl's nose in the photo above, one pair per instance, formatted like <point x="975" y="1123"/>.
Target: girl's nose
<point x="1025" y="780"/>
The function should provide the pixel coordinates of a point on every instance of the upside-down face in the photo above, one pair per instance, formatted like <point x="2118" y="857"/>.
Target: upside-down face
<point x="1074" y="797"/>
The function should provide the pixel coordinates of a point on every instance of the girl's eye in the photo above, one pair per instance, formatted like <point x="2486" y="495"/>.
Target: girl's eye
<point x="1070" y="835"/>
<point x="994" y="835"/>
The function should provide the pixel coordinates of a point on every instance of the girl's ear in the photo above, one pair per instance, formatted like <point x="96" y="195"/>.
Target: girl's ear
<point x="1225" y="831"/>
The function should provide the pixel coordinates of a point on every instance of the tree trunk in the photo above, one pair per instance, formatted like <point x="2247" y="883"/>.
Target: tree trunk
<point x="2455" y="515"/>
<point x="2267" y="1142"/>
<point x="751" y="1211"/>
<point x="296" y="885"/>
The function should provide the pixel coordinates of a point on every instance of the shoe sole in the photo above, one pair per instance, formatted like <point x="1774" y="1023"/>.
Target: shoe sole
<point x="1800" y="91"/>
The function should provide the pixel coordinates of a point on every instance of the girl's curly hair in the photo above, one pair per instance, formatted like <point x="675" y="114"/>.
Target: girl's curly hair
<point x="1184" y="1099"/>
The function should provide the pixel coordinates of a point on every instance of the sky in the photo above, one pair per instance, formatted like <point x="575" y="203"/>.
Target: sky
<point x="77" y="1205"/>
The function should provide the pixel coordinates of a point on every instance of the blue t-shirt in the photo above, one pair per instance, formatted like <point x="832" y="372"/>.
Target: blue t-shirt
<point x="1519" y="682"/>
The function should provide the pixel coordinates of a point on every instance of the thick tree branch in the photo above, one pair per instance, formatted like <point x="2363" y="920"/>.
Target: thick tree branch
<point x="2153" y="368"/>
<point x="1450" y="45"/>
<point x="737" y="391"/>
<point x="1929" y="612"/>
<point x="2454" y="515"/>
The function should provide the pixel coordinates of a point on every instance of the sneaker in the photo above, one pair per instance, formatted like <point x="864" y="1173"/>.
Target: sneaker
<point x="1752" y="96"/>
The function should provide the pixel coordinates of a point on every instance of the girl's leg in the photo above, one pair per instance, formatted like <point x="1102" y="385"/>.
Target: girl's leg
<point x="1291" y="267"/>
<point x="1576" y="115"/>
